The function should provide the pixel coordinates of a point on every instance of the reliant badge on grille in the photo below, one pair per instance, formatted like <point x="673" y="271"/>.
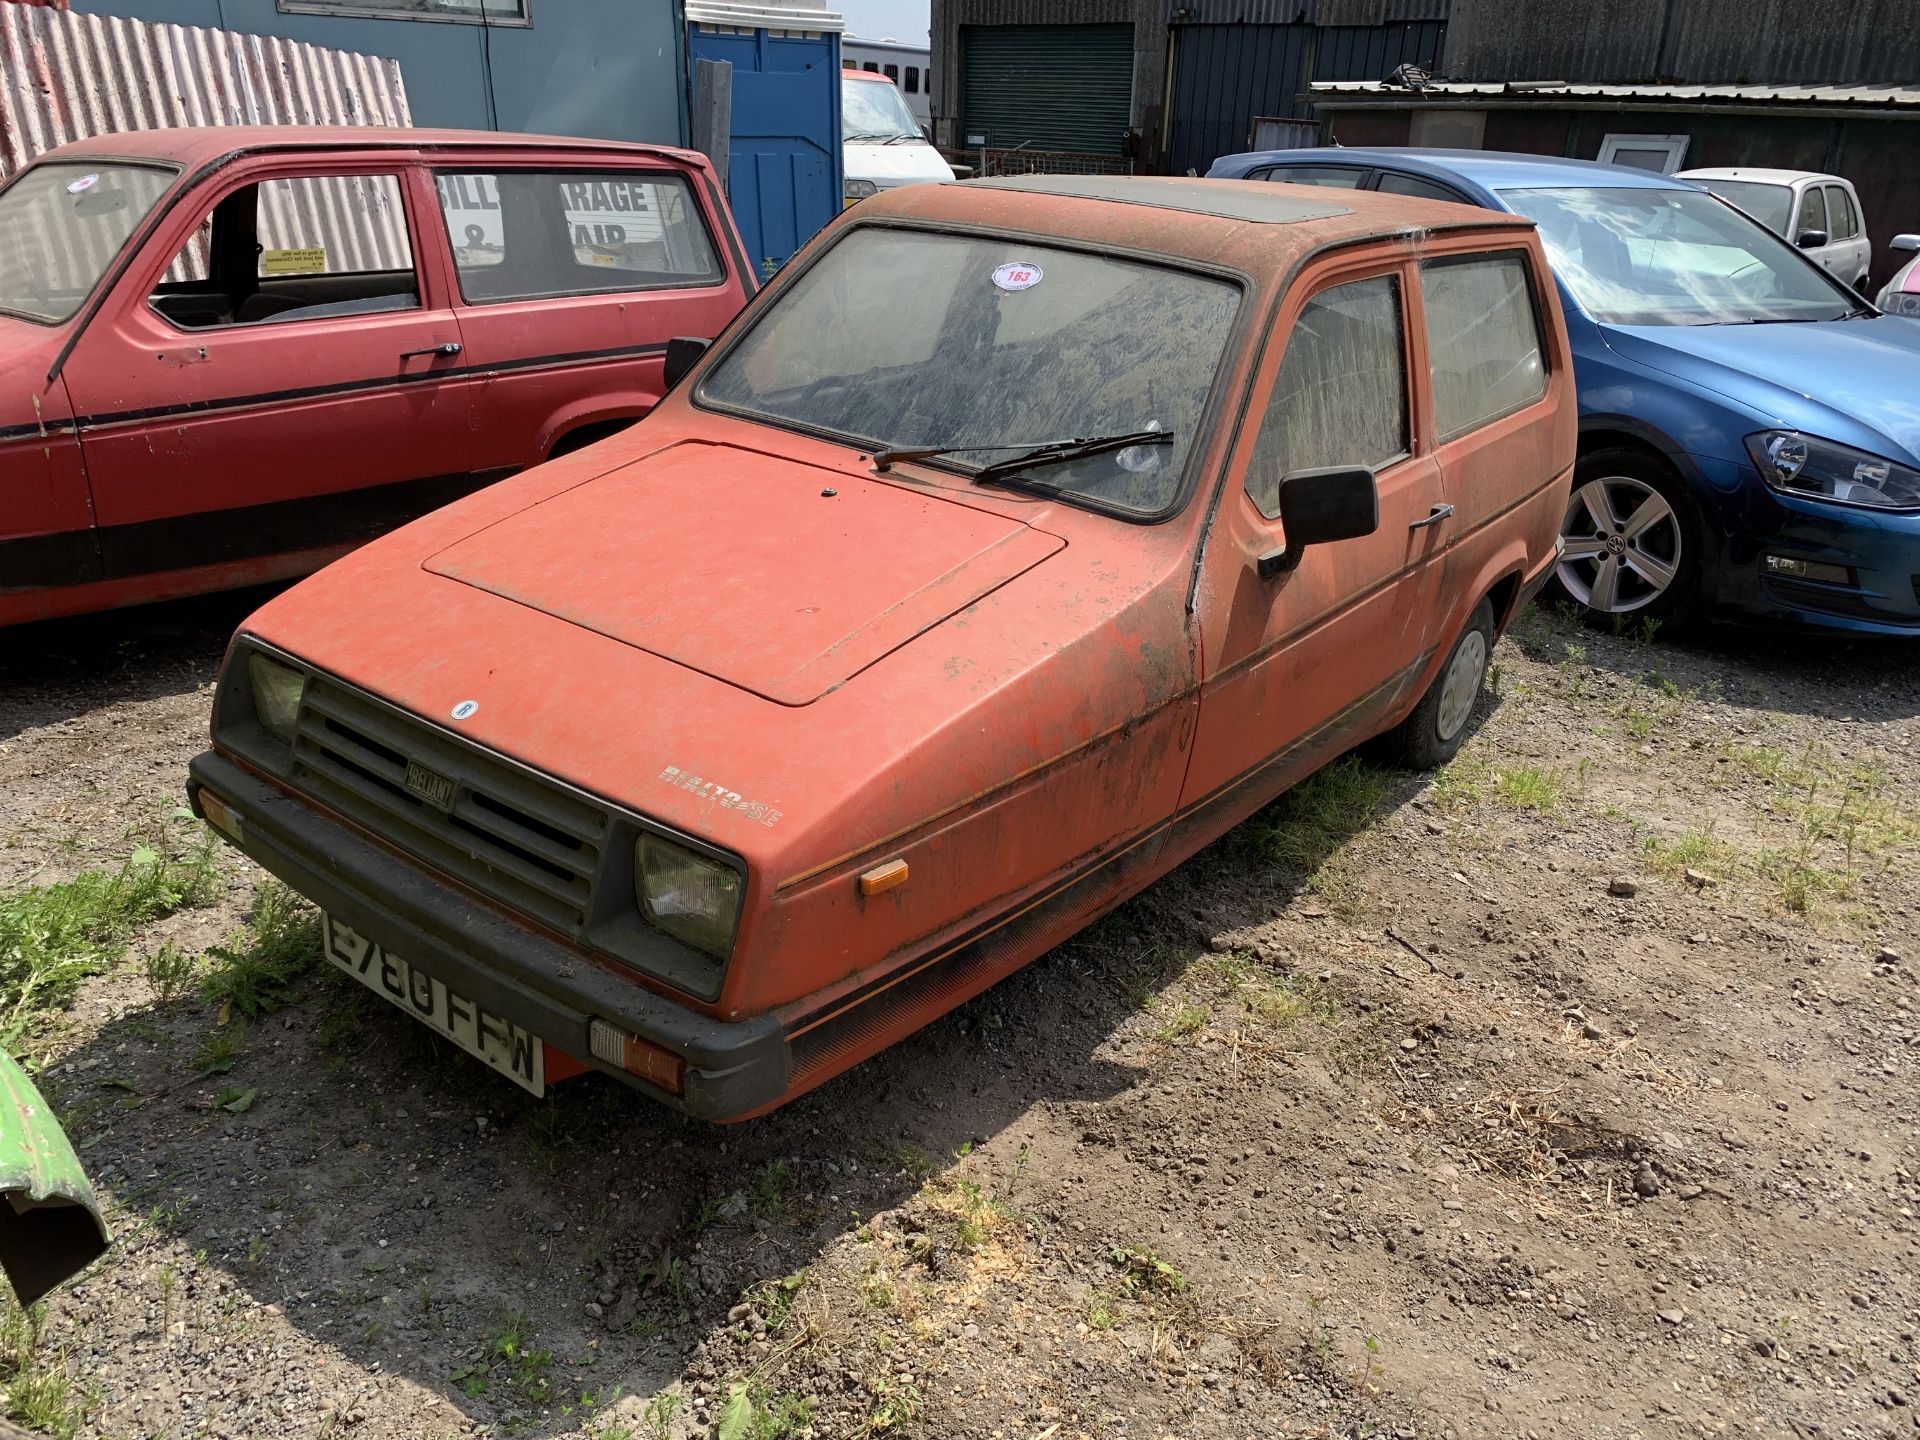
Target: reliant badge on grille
<point x="436" y="790"/>
<point x="465" y="708"/>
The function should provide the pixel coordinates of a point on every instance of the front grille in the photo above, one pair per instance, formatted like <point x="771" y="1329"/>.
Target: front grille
<point x="504" y="832"/>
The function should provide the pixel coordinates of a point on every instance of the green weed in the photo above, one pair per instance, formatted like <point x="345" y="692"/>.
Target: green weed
<point x="1186" y="1022"/>
<point x="752" y="1414"/>
<point x="53" y="936"/>
<point x="259" y="970"/>
<point x="170" y="971"/>
<point x="1528" y="788"/>
<point x="41" y="1392"/>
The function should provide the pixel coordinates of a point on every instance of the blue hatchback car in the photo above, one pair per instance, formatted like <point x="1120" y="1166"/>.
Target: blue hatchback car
<point x="1749" y="427"/>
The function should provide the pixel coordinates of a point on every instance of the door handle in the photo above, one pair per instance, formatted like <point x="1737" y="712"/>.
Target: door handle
<point x="1434" y="517"/>
<point x="447" y="348"/>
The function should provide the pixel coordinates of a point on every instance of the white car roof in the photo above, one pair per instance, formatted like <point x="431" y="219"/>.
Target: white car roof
<point x="1759" y="174"/>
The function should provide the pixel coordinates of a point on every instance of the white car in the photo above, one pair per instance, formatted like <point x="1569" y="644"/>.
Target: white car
<point x="880" y="140"/>
<point x="1819" y="213"/>
<point x="1902" y="293"/>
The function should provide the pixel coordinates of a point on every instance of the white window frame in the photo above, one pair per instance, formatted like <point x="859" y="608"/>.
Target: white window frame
<point x="1675" y="146"/>
<point x="367" y="10"/>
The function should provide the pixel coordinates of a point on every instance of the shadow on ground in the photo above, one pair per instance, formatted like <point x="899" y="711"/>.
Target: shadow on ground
<point x="411" y="1210"/>
<point x="57" y="669"/>
<point x="1825" y="676"/>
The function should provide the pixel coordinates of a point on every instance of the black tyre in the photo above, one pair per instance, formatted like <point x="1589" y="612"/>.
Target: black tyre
<point x="1633" y="540"/>
<point x="1431" y="735"/>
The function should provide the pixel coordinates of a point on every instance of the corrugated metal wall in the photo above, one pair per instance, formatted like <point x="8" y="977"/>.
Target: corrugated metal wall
<point x="1301" y="12"/>
<point x="67" y="77"/>
<point x="1226" y="76"/>
<point x="1707" y="42"/>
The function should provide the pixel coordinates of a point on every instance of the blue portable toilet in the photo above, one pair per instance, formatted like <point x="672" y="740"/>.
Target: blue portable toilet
<point x="784" y="173"/>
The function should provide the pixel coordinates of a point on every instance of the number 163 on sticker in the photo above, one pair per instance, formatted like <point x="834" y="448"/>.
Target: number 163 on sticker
<point x="1018" y="275"/>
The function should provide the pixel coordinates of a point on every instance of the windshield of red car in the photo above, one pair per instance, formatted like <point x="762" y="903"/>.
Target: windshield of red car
<point x="61" y="227"/>
<point x="1674" y="257"/>
<point x="904" y="338"/>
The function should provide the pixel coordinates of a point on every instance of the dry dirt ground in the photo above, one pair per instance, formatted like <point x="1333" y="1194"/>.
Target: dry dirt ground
<point x="1567" y="1092"/>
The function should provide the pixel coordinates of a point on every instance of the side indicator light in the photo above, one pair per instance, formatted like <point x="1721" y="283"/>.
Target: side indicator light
<point x="637" y="1057"/>
<point x="884" y="877"/>
<point x="220" y="815"/>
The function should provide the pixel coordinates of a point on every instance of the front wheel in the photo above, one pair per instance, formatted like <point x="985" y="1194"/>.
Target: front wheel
<point x="1431" y="735"/>
<point x="1633" y="549"/>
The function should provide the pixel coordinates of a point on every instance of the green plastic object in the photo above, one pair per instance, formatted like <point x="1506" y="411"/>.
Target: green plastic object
<point x="50" y="1225"/>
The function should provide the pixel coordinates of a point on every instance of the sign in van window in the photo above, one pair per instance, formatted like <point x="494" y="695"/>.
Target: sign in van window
<point x="524" y="234"/>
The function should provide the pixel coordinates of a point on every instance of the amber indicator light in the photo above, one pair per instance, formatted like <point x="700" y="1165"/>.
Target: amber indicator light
<point x="884" y="877"/>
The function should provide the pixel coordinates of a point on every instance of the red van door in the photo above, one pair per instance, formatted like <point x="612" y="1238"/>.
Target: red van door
<point x="573" y="276"/>
<point x="279" y="373"/>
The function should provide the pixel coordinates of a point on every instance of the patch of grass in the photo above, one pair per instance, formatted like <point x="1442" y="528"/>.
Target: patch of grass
<point x="219" y="1050"/>
<point x="1289" y="999"/>
<point x="771" y="1201"/>
<point x="1186" y="1022"/>
<point x="896" y="1406"/>
<point x="53" y="936"/>
<point x="260" y="969"/>
<point x="1696" y="850"/>
<point x="1528" y="788"/>
<point x="512" y="1360"/>
<point x="1303" y="828"/>
<point x="41" y="1393"/>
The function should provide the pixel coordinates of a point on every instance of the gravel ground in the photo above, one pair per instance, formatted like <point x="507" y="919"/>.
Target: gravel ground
<point x="1571" y="1093"/>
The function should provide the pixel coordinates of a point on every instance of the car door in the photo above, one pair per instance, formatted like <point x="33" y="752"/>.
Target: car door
<point x="1852" y="252"/>
<point x="275" y="373"/>
<point x="1488" y="344"/>
<point x="573" y="276"/>
<point x="1811" y="215"/>
<point x="1298" y="666"/>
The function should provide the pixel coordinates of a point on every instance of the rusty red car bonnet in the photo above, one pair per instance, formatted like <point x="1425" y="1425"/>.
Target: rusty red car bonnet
<point x="1017" y="541"/>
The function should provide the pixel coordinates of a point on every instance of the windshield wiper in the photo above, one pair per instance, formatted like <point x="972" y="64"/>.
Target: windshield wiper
<point x="1051" y="452"/>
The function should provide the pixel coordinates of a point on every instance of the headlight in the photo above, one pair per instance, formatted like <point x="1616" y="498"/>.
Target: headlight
<point x="1901" y="302"/>
<point x="1806" y="465"/>
<point x="277" y="690"/>
<point x="859" y="190"/>
<point x="689" y="896"/>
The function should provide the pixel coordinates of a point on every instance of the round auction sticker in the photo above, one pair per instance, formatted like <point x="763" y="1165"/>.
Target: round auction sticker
<point x="85" y="182"/>
<point x="1020" y="275"/>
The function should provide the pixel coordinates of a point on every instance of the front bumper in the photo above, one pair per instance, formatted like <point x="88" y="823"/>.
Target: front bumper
<point x="1881" y="550"/>
<point x="733" y="1068"/>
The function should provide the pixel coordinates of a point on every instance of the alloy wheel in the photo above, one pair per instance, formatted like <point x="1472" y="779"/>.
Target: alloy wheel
<point x="1623" y="545"/>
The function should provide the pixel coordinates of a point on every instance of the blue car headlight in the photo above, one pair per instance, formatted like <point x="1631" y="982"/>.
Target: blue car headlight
<point x="1797" y="464"/>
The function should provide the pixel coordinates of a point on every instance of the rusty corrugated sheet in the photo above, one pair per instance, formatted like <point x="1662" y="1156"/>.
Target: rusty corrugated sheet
<point x="66" y="77"/>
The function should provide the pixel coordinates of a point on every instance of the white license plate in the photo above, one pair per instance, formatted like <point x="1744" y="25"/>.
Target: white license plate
<point x="491" y="1039"/>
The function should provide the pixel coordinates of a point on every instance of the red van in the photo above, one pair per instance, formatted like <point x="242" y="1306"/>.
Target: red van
<point x="235" y="353"/>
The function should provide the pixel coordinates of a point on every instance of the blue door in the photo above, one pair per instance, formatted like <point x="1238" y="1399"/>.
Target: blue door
<point x="783" y="156"/>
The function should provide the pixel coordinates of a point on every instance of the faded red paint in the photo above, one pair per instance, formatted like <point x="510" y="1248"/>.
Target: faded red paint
<point x="1001" y="690"/>
<point x="158" y="461"/>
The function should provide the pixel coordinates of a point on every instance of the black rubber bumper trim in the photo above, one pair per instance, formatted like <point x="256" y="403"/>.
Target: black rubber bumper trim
<point x="732" y="1067"/>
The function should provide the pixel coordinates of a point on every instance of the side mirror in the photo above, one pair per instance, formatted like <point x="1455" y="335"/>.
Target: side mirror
<point x="1904" y="243"/>
<point x="683" y="353"/>
<point x="1317" y="506"/>
<point x="1812" y="239"/>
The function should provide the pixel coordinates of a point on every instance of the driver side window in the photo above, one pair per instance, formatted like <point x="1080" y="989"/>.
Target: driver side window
<point x="1341" y="395"/>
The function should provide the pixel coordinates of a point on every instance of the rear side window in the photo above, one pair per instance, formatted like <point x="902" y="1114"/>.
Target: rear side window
<point x="1840" y="211"/>
<point x="534" y="234"/>
<point x="1341" y="395"/>
<point x="1392" y="184"/>
<point x="1813" y="212"/>
<point x="1328" y="175"/>
<point x="1483" y="340"/>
